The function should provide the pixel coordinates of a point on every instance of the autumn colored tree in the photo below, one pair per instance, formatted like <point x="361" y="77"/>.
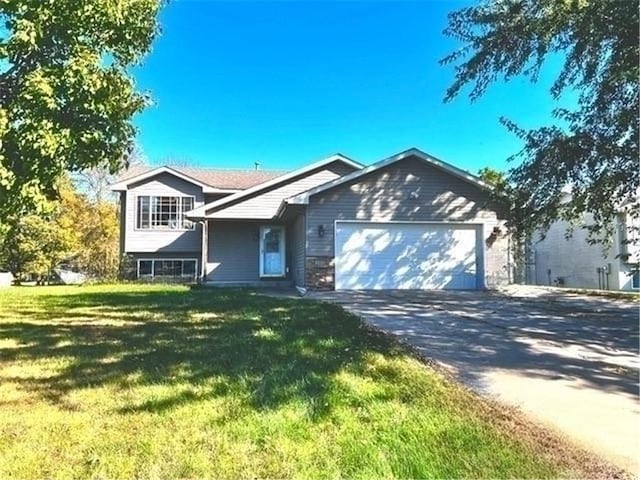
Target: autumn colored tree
<point x="72" y="228"/>
<point x="96" y="223"/>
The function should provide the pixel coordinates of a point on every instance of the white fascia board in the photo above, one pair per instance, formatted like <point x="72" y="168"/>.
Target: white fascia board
<point x="303" y="198"/>
<point x="200" y="212"/>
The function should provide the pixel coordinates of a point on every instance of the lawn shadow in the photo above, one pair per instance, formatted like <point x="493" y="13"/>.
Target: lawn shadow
<point x="272" y="351"/>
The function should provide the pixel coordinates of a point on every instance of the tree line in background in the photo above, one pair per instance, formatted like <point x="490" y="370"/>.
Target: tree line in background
<point x="79" y="229"/>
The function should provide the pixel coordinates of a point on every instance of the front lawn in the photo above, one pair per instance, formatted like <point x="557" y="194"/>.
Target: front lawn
<point x="154" y="381"/>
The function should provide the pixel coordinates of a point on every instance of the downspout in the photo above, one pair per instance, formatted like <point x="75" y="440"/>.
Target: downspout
<point x="510" y="265"/>
<point x="599" y="272"/>
<point x="204" y="253"/>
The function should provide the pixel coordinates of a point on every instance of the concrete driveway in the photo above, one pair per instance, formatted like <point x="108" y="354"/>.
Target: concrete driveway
<point x="570" y="361"/>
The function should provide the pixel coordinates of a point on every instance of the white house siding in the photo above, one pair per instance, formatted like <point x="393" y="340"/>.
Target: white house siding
<point x="575" y="262"/>
<point x="409" y="190"/>
<point x="265" y="205"/>
<point x="160" y="240"/>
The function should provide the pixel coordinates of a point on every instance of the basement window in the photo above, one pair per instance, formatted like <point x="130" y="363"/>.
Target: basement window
<point x="167" y="269"/>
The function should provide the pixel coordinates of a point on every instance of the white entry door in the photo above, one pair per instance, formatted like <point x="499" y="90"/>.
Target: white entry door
<point x="272" y="263"/>
<point x="382" y="256"/>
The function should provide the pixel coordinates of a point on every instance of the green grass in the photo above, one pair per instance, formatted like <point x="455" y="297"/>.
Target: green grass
<point x="156" y="381"/>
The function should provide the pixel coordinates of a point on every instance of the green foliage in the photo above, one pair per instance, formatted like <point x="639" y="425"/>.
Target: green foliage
<point x="37" y="243"/>
<point x="505" y="194"/>
<point x="596" y="153"/>
<point x="493" y="177"/>
<point x="66" y="99"/>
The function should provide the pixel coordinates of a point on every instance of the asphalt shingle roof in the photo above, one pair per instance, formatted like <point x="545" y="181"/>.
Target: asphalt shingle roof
<point x="217" y="178"/>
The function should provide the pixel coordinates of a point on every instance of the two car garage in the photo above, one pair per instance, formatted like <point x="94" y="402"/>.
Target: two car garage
<point x="408" y="255"/>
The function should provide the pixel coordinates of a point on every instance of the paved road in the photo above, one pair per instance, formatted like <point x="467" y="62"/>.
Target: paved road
<point x="571" y="361"/>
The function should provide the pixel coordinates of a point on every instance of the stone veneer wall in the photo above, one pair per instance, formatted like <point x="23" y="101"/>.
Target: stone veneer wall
<point x="319" y="273"/>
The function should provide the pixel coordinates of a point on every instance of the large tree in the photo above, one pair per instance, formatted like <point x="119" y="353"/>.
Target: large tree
<point x="66" y="97"/>
<point x="593" y="149"/>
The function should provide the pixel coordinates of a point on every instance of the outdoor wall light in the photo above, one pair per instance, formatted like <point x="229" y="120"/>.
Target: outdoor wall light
<point x="321" y="230"/>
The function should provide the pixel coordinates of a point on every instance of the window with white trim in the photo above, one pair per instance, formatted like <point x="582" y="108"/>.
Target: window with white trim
<point x="184" y="268"/>
<point x="635" y="279"/>
<point x="164" y="213"/>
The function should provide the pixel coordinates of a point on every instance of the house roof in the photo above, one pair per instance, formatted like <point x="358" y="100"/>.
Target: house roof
<point x="303" y="197"/>
<point x="212" y="180"/>
<point x="201" y="212"/>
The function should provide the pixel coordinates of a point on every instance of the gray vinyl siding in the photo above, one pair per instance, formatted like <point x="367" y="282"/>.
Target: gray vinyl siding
<point x="386" y="195"/>
<point x="297" y="248"/>
<point x="166" y="255"/>
<point x="161" y="240"/>
<point x="263" y="206"/>
<point x="212" y="197"/>
<point x="233" y="253"/>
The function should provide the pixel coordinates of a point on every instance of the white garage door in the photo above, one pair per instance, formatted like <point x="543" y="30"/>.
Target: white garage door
<point x="381" y="256"/>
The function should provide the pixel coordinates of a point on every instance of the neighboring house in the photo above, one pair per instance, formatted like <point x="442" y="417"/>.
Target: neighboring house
<point x="408" y="221"/>
<point x="556" y="259"/>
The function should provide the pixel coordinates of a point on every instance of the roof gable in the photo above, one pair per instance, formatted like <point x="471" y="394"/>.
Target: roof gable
<point x="210" y="180"/>
<point x="303" y="198"/>
<point x="203" y="211"/>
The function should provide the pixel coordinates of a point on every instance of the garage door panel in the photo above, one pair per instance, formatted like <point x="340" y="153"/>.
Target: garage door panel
<point x="405" y="256"/>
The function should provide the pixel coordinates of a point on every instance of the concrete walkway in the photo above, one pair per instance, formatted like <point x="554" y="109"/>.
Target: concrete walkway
<point x="570" y="361"/>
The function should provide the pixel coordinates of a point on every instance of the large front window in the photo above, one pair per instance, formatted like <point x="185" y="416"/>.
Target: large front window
<point x="152" y="268"/>
<point x="164" y="213"/>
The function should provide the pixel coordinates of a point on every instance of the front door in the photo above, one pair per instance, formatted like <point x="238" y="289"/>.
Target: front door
<point x="272" y="251"/>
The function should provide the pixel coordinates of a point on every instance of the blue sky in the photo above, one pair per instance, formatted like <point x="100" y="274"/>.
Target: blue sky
<point x="287" y="83"/>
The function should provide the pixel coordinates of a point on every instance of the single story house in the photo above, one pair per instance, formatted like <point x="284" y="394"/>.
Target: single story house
<point x="410" y="221"/>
